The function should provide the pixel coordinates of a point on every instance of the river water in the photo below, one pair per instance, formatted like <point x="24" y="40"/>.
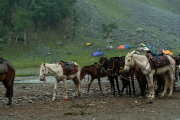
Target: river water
<point x="50" y="79"/>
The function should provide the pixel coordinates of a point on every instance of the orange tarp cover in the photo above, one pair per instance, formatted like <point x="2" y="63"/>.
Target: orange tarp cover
<point x="168" y="52"/>
<point x="121" y="47"/>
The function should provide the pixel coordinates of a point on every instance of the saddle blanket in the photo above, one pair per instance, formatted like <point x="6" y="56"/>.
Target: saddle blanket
<point x="158" y="63"/>
<point x="68" y="69"/>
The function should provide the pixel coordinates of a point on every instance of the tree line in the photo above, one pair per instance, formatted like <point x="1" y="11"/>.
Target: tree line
<point x="20" y="16"/>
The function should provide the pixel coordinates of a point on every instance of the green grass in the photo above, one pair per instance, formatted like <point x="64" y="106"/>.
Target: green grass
<point x="166" y="6"/>
<point x="114" y="8"/>
<point x="25" y="74"/>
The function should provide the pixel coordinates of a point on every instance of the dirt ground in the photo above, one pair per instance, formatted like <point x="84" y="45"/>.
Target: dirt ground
<point x="33" y="101"/>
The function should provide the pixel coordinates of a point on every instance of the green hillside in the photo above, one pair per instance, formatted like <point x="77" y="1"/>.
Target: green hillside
<point x="29" y="57"/>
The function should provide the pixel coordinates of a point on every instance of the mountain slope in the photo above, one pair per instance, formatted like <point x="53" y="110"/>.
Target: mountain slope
<point x="160" y="20"/>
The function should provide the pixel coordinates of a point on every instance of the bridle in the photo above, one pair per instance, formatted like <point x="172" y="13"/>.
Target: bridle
<point x="131" y="61"/>
<point x="113" y="67"/>
<point x="44" y="75"/>
<point x="102" y="63"/>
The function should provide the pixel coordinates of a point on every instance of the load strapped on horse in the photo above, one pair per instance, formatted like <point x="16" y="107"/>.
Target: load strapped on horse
<point x="62" y="71"/>
<point x="7" y="75"/>
<point x="153" y="64"/>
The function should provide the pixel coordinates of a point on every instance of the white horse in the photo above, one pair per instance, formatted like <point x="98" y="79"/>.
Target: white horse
<point x="142" y="62"/>
<point x="57" y="71"/>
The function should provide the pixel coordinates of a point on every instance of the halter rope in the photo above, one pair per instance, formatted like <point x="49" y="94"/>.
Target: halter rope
<point x="130" y="63"/>
<point x="102" y="63"/>
<point x="101" y="66"/>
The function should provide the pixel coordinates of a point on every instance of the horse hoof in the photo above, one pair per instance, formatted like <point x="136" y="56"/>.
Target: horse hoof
<point x="9" y="104"/>
<point x="65" y="99"/>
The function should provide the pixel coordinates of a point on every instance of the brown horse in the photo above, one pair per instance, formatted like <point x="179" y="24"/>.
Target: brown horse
<point x="7" y="78"/>
<point x="92" y="71"/>
<point x="112" y="72"/>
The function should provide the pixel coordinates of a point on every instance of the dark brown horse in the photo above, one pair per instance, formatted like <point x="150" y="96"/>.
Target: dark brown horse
<point x="92" y="71"/>
<point x="115" y="65"/>
<point x="112" y="72"/>
<point x="8" y="79"/>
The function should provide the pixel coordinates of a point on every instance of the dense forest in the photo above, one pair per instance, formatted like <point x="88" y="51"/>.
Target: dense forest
<point x="22" y="17"/>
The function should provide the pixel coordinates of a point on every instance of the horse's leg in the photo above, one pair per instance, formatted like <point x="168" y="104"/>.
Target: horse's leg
<point x="65" y="89"/>
<point x="54" y="93"/>
<point x="129" y="85"/>
<point x="92" y="79"/>
<point x="8" y="83"/>
<point x="123" y="83"/>
<point x="159" y="83"/>
<point x="111" y="87"/>
<point x="79" y="84"/>
<point x="7" y="92"/>
<point x="141" y="86"/>
<point x="166" y="77"/>
<point x="76" y="87"/>
<point x="132" y="82"/>
<point x="112" y="84"/>
<point x="117" y="84"/>
<point x="122" y="90"/>
<point x="171" y="82"/>
<point x="150" y="86"/>
<point x="99" y="84"/>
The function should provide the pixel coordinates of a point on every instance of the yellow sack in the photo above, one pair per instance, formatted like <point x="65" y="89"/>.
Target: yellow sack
<point x="88" y="43"/>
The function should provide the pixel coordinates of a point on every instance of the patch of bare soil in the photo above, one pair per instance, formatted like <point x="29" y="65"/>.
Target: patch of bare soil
<point x="33" y="101"/>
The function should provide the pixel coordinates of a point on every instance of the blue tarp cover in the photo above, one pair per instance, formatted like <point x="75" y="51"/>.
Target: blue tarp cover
<point x="99" y="52"/>
<point x="127" y="46"/>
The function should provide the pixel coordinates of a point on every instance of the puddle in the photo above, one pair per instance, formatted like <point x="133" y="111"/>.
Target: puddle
<point x="51" y="79"/>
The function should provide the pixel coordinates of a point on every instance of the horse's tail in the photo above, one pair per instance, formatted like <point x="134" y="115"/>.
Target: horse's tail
<point x="13" y="83"/>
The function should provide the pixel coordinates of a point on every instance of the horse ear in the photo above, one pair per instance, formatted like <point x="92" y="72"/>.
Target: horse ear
<point x="43" y="64"/>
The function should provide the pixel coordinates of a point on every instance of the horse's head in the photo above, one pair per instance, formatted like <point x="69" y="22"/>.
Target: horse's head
<point x="121" y="64"/>
<point x="115" y="65"/>
<point x="100" y="63"/>
<point x="129" y="62"/>
<point x="43" y="72"/>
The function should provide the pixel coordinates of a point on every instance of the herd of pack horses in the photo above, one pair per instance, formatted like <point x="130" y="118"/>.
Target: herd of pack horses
<point x="150" y="70"/>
